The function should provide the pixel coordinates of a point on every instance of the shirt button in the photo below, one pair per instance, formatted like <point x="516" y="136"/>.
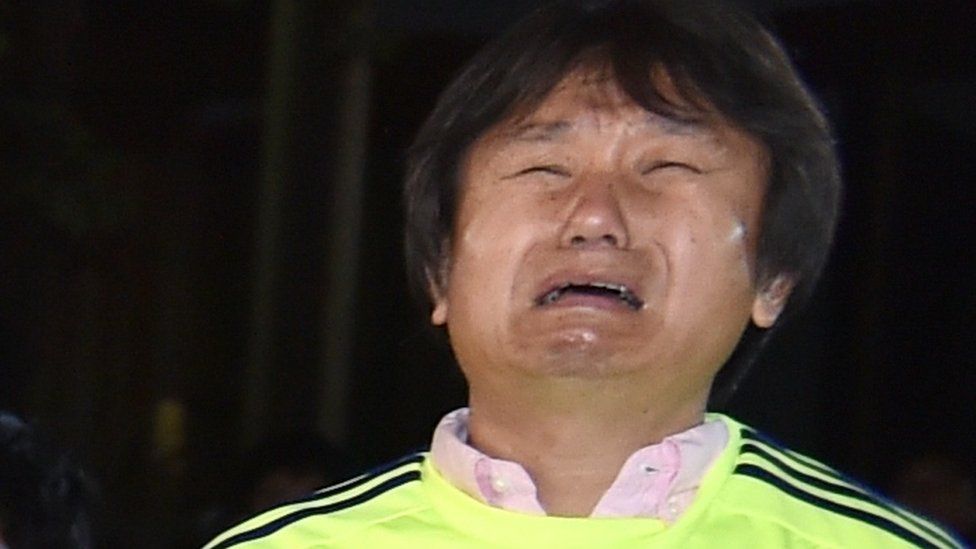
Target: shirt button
<point x="498" y="484"/>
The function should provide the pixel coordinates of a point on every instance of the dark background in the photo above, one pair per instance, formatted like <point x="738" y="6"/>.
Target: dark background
<point x="200" y="237"/>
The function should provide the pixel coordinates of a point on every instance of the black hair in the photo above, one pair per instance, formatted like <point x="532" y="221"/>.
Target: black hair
<point x="720" y="60"/>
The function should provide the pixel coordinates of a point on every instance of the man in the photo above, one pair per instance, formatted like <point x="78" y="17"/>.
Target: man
<point x="611" y="203"/>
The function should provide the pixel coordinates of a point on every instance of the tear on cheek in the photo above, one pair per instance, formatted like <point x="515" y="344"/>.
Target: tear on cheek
<point x="738" y="233"/>
<point x="738" y="240"/>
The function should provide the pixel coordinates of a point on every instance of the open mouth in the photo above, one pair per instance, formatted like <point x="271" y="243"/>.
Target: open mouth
<point x="595" y="289"/>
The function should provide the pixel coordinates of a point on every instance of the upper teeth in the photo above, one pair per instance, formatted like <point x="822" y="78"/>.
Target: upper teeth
<point x="622" y="292"/>
<point x="608" y="286"/>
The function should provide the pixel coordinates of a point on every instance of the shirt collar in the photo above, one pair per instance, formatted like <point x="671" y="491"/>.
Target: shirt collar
<point x="657" y="481"/>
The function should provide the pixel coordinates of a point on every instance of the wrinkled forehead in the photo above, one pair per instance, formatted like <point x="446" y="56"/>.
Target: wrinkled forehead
<point x="593" y="98"/>
<point x="592" y="94"/>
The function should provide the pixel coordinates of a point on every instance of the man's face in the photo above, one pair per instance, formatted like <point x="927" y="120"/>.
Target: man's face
<point x="596" y="239"/>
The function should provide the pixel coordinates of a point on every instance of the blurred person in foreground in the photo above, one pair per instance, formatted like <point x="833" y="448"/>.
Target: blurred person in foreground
<point x="44" y="496"/>
<point x="609" y="209"/>
<point x="943" y="486"/>
<point x="287" y="466"/>
<point x="278" y="469"/>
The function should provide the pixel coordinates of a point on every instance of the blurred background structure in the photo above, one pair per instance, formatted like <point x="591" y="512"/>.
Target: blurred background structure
<point x="200" y="240"/>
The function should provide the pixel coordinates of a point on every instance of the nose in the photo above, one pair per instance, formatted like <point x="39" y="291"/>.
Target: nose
<point x="595" y="219"/>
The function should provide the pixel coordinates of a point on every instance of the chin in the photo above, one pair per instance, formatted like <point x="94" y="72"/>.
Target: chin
<point x="580" y="354"/>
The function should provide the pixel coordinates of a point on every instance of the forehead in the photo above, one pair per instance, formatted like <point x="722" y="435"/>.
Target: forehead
<point x="593" y="99"/>
<point x="588" y="104"/>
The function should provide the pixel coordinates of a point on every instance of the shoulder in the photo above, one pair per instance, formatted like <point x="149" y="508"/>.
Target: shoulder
<point x="375" y="497"/>
<point x="791" y="492"/>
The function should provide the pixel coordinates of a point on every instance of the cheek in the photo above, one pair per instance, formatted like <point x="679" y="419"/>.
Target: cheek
<point x="491" y="241"/>
<point x="729" y="224"/>
<point x="712" y="243"/>
<point x="490" y="236"/>
<point x="502" y="223"/>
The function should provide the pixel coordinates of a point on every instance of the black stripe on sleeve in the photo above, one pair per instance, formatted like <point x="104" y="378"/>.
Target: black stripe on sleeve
<point x="352" y="483"/>
<point x="823" y="484"/>
<point x="847" y="490"/>
<point x="369" y="475"/>
<point x="278" y="524"/>
<point x="756" y="436"/>
<point x="763" y="475"/>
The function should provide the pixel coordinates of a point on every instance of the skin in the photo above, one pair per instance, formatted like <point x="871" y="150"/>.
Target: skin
<point x="592" y="188"/>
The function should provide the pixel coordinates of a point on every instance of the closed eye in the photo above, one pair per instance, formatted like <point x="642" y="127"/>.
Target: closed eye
<point x="668" y="164"/>
<point x="547" y="169"/>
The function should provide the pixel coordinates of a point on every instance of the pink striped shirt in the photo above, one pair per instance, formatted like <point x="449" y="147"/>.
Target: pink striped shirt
<point x="657" y="481"/>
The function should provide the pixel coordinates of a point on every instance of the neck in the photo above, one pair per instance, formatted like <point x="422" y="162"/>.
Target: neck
<point x="572" y="435"/>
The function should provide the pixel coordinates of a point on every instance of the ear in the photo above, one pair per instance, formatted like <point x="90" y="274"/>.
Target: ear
<point x="436" y="290"/>
<point x="771" y="300"/>
<point x="438" y="316"/>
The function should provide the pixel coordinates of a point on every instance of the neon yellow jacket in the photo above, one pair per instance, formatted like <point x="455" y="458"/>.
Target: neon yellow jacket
<point x="757" y="494"/>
